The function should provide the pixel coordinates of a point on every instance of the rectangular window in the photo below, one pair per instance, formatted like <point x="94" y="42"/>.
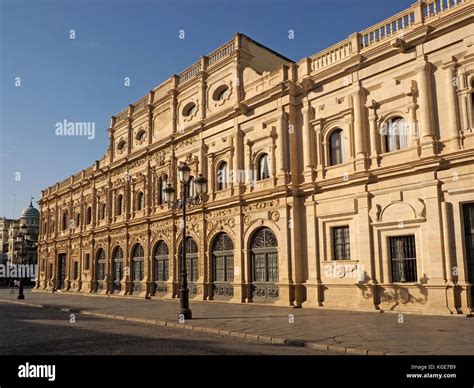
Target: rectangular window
<point x="118" y="272"/>
<point x="87" y="261"/>
<point x="341" y="243"/>
<point x="138" y="266"/>
<point x="260" y="268"/>
<point x="220" y="269"/>
<point x="75" y="272"/>
<point x="403" y="259"/>
<point x="161" y="269"/>
<point x="192" y="269"/>
<point x="273" y="267"/>
<point x="229" y="268"/>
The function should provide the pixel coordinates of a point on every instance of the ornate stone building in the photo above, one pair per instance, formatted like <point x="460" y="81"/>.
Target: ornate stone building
<point x="343" y="180"/>
<point x="9" y="231"/>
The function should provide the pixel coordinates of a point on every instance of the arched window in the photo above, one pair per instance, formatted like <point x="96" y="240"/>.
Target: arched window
<point x="222" y="176"/>
<point x="395" y="134"/>
<point x="161" y="261"/>
<point x="191" y="259"/>
<point x="64" y="220"/>
<point x="122" y="145"/>
<point x="140" y="201"/>
<point x="336" y="147"/>
<point x="103" y="211"/>
<point x="89" y="215"/>
<point x="141" y="135"/>
<point x="119" y="204"/>
<point x="223" y="259"/>
<point x="190" y="109"/>
<point x="138" y="258"/>
<point x="263" y="167"/>
<point x="159" y="191"/>
<point x="264" y="256"/>
<point x="100" y="265"/>
<point x="117" y="270"/>
<point x="221" y="93"/>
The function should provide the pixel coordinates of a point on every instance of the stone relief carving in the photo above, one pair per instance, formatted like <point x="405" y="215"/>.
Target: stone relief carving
<point x="261" y="205"/>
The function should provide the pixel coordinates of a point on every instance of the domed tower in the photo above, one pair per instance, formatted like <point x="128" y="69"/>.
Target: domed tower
<point x="30" y="217"/>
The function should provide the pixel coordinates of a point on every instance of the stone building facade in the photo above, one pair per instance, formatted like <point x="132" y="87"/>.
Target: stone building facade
<point x="343" y="180"/>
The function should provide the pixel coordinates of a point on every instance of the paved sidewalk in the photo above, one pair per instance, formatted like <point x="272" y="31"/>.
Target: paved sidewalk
<point x="342" y="331"/>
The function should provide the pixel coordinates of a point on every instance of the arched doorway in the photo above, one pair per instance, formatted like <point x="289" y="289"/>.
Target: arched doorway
<point x="100" y="269"/>
<point x="192" y="263"/>
<point x="161" y="267"/>
<point x="138" y="267"/>
<point x="222" y="266"/>
<point x="117" y="269"/>
<point x="264" y="266"/>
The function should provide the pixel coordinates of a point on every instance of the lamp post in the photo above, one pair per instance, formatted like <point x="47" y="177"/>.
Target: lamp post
<point x="201" y="188"/>
<point x="23" y="238"/>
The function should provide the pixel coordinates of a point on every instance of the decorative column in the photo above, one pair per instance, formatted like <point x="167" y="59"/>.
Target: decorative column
<point x="174" y="104"/>
<point x="281" y="146"/>
<point x="318" y="127"/>
<point x="358" y="130"/>
<point x="112" y="139"/>
<point x="150" y="116"/>
<point x="129" y="129"/>
<point x="414" y="130"/>
<point x="237" y="173"/>
<point x="374" y="135"/>
<point x="424" y="102"/>
<point x="251" y="172"/>
<point x="308" y="164"/>
<point x="451" y="100"/>
<point x="313" y="281"/>
<point x="238" y="70"/>
<point x="203" y="87"/>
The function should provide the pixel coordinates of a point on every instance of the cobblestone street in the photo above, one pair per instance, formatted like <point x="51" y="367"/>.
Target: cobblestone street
<point x="322" y="330"/>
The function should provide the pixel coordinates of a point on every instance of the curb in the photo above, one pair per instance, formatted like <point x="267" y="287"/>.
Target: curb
<point x="212" y="330"/>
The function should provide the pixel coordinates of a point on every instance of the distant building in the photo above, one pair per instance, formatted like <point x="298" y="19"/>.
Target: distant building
<point x="9" y="230"/>
<point x="5" y="224"/>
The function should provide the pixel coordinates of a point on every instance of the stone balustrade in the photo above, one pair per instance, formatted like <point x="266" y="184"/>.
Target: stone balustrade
<point x="433" y="8"/>
<point x="331" y="55"/>
<point x="220" y="53"/>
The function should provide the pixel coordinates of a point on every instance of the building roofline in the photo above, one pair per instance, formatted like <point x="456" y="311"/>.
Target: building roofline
<point x="265" y="47"/>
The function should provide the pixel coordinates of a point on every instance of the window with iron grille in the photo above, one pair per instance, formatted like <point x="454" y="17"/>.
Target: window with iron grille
<point x="118" y="264"/>
<point x="403" y="259"/>
<point x="100" y="270"/>
<point x="191" y="259"/>
<point x="341" y="243"/>
<point x="75" y="272"/>
<point x="264" y="254"/>
<point x="161" y="261"/>
<point x="138" y="262"/>
<point x="223" y="258"/>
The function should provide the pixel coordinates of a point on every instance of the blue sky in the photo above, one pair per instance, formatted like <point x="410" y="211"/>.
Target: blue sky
<point x="82" y="79"/>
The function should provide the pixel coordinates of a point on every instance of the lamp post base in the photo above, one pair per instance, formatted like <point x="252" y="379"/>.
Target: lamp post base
<point x="21" y="295"/>
<point x="185" y="314"/>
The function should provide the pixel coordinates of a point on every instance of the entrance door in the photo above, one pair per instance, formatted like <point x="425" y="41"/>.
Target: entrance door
<point x="62" y="270"/>
<point x="468" y="211"/>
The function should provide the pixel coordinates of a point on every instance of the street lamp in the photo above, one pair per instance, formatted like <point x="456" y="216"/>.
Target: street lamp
<point x="201" y="188"/>
<point x="23" y="238"/>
